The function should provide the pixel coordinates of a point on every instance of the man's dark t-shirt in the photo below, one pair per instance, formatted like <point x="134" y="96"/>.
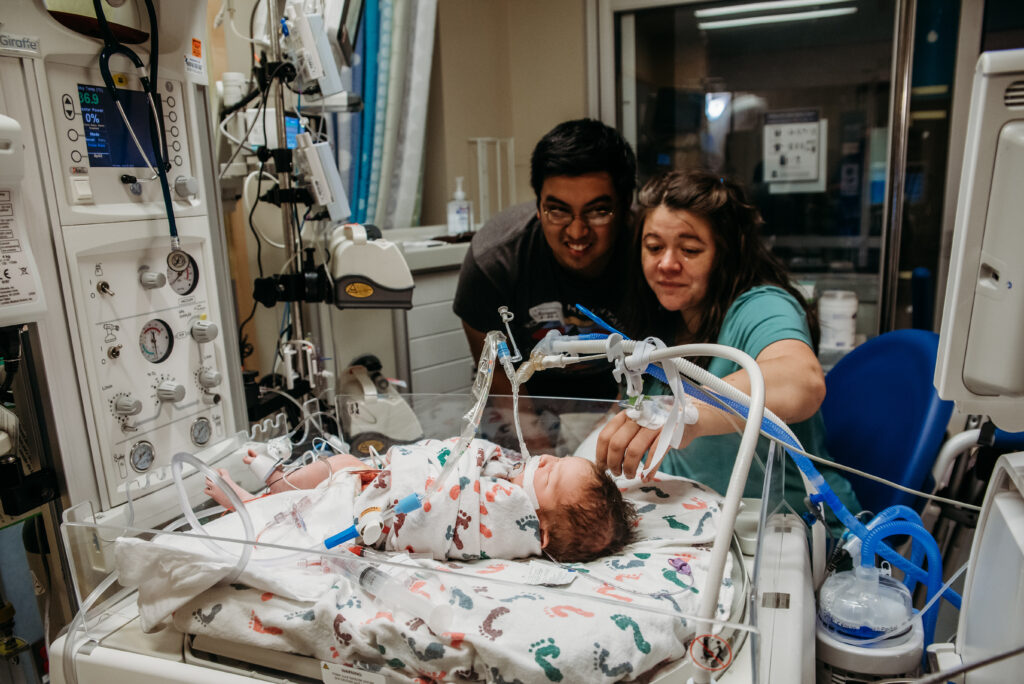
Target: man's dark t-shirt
<point x="509" y="263"/>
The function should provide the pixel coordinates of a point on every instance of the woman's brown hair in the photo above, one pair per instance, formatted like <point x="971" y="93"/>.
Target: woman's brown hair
<point x="742" y="259"/>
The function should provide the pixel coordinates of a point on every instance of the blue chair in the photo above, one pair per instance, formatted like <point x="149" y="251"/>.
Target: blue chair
<point x="883" y="416"/>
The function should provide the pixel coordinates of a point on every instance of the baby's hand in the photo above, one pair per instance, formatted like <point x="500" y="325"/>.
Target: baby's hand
<point x="250" y="457"/>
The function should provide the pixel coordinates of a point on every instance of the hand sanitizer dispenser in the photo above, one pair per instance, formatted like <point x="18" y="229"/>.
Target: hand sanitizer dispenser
<point x="460" y="211"/>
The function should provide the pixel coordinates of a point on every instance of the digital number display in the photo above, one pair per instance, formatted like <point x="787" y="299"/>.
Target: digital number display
<point x="107" y="141"/>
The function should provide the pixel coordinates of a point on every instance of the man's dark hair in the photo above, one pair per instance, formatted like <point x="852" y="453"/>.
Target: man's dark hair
<point x="581" y="146"/>
<point x="599" y="523"/>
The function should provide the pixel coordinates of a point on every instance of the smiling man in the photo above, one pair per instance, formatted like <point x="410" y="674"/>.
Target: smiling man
<point x="568" y="247"/>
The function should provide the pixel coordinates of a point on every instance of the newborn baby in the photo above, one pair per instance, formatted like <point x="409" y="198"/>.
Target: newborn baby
<point x="496" y="507"/>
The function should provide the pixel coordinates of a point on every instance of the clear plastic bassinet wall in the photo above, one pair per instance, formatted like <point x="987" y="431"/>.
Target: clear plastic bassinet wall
<point x="264" y="595"/>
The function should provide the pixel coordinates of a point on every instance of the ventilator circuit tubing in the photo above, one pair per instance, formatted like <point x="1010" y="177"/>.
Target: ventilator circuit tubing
<point x="471" y="420"/>
<point x="772" y="426"/>
<point x="177" y="462"/>
<point x="756" y="415"/>
<point x="920" y="536"/>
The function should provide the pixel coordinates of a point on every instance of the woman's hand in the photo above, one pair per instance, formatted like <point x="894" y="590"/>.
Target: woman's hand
<point x="621" y="445"/>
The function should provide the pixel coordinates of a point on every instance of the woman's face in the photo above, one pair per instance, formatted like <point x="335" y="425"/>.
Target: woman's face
<point x="677" y="252"/>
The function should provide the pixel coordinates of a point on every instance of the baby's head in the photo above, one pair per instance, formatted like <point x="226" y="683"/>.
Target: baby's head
<point x="582" y="513"/>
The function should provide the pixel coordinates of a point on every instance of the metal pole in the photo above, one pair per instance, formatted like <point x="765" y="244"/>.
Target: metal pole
<point x="899" y="126"/>
<point x="290" y="231"/>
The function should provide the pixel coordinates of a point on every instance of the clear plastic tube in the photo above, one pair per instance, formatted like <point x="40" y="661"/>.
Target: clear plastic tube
<point x="506" y="363"/>
<point x="471" y="420"/>
<point x="177" y="463"/>
<point x="771" y="426"/>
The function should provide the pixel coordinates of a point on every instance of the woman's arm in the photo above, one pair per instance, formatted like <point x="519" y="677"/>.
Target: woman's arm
<point x="794" y="390"/>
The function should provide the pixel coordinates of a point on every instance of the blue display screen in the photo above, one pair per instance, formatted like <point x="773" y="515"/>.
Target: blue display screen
<point x="107" y="141"/>
<point x="291" y="130"/>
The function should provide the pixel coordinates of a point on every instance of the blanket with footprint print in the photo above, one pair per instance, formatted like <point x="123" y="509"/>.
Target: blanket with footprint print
<point x="507" y="623"/>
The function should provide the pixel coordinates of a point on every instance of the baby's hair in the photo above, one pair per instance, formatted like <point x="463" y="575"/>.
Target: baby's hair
<point x="600" y="522"/>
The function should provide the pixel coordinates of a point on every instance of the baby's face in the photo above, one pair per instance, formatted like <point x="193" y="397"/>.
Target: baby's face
<point x="558" y="480"/>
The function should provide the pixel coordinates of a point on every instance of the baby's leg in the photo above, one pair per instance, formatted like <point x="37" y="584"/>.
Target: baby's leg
<point x="313" y="474"/>
<point x="214" y="491"/>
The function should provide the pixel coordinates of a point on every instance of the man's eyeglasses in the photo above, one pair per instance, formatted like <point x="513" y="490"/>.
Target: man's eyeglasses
<point x="594" y="218"/>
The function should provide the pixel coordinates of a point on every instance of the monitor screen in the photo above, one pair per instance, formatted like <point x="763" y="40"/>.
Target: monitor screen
<point x="108" y="142"/>
<point x="291" y="129"/>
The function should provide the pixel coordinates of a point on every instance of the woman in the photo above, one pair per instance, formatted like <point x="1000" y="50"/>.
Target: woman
<point x="706" y="276"/>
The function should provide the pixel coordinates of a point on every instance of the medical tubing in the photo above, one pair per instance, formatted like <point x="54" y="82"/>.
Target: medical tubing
<point x="777" y="429"/>
<point x="471" y="420"/>
<point x="510" y="371"/>
<point x="69" y="651"/>
<point x="773" y="427"/>
<point x="895" y="512"/>
<point x="952" y="448"/>
<point x="744" y="455"/>
<point x="934" y="578"/>
<point x="186" y="508"/>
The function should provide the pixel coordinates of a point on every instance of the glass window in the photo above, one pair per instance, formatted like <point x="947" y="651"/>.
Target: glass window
<point x="793" y="103"/>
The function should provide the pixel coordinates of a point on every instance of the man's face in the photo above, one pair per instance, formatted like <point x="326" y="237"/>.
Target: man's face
<point x="567" y="205"/>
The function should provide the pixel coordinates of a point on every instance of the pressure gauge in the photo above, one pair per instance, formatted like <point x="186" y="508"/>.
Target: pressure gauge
<point x="183" y="281"/>
<point x="156" y="340"/>
<point x="141" y="456"/>
<point x="201" y="431"/>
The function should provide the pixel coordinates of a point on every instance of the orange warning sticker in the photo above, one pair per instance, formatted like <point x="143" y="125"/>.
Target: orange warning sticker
<point x="197" y="48"/>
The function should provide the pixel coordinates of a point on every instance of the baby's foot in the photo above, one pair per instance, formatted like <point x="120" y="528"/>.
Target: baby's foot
<point x="214" y="491"/>
<point x="249" y="457"/>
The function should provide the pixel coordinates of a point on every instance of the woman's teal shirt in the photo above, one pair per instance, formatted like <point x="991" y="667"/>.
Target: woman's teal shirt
<point x="759" y="317"/>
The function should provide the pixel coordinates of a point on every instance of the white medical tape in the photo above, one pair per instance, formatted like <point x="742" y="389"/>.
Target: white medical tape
<point x="262" y="466"/>
<point x="680" y="413"/>
<point x="528" y="474"/>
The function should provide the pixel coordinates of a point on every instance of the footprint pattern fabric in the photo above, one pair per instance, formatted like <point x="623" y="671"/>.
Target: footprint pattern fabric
<point x="509" y="630"/>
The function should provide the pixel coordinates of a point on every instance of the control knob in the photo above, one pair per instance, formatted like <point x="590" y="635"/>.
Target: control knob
<point x="168" y="390"/>
<point x="186" y="186"/>
<point x="204" y="331"/>
<point x="151" y="280"/>
<point x="209" y="378"/>
<point x="126" y="406"/>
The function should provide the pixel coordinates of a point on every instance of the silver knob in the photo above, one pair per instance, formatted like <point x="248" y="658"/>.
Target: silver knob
<point x="126" y="406"/>
<point x="209" y="378"/>
<point x="170" y="391"/>
<point x="186" y="186"/>
<point x="151" y="280"/>
<point x="204" y="331"/>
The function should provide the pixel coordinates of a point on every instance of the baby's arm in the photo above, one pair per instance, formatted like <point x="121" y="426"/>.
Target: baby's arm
<point x="308" y="476"/>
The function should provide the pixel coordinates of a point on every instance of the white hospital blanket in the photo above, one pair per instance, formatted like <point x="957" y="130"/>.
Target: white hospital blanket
<point x="501" y="631"/>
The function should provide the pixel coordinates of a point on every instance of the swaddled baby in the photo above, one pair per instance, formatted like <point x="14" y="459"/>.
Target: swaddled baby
<point x="497" y="506"/>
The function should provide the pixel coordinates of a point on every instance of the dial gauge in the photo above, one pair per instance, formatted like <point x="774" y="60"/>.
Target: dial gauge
<point x="184" y="281"/>
<point x="201" y="431"/>
<point x="156" y="340"/>
<point x="141" y="456"/>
